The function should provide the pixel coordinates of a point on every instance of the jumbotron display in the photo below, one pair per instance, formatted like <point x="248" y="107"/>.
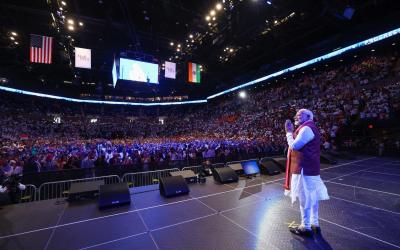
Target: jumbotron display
<point x="133" y="70"/>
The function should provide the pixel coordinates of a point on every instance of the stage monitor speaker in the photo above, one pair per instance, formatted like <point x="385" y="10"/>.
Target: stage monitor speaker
<point x="281" y="161"/>
<point x="269" y="166"/>
<point x="114" y="195"/>
<point x="173" y="186"/>
<point x="327" y="159"/>
<point x="225" y="175"/>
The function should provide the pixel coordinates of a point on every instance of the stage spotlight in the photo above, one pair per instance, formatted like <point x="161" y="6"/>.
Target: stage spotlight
<point x="242" y="94"/>
<point x="218" y="6"/>
<point x="16" y="42"/>
<point x="70" y="27"/>
<point x="212" y="13"/>
<point x="70" y="21"/>
<point x="12" y="38"/>
<point x="171" y="43"/>
<point x="63" y="3"/>
<point x="208" y="18"/>
<point x="269" y="2"/>
<point x="80" y="24"/>
<point x="14" y="33"/>
<point x="190" y="36"/>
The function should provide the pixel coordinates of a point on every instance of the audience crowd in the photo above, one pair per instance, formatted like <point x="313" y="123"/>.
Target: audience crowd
<point x="39" y="134"/>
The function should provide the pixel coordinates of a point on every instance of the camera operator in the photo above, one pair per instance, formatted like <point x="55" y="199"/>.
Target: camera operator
<point x="10" y="179"/>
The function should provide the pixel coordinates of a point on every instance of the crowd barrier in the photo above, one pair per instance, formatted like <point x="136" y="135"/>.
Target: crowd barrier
<point x="29" y="194"/>
<point x="60" y="189"/>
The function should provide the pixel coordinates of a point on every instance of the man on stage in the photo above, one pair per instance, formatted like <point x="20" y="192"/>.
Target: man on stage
<point x="302" y="171"/>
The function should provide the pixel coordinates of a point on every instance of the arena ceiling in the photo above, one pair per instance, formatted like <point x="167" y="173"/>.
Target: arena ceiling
<point x="238" y="40"/>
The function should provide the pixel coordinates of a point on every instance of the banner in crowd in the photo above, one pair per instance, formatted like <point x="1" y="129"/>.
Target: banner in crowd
<point x="40" y="50"/>
<point x="170" y="70"/>
<point x="194" y="72"/>
<point x="83" y="58"/>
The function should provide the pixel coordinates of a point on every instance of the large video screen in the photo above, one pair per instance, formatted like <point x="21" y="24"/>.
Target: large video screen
<point x="138" y="71"/>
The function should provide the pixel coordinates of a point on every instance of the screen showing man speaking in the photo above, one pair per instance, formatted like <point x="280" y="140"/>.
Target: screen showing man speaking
<point x="133" y="70"/>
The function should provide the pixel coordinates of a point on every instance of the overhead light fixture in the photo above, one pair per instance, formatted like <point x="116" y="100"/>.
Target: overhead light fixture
<point x="269" y="2"/>
<point x="276" y="21"/>
<point x="213" y="18"/>
<point x="231" y="50"/>
<point x="70" y="21"/>
<point x="208" y="18"/>
<point x="209" y="24"/>
<point x="212" y="13"/>
<point x="70" y="27"/>
<point x="63" y="3"/>
<point x="16" y="42"/>
<point x="171" y="43"/>
<point x="179" y="45"/>
<point x="242" y="94"/>
<point x="218" y="6"/>
<point x="372" y="50"/>
<point x="178" y="49"/>
<point x="14" y="33"/>
<point x="61" y="8"/>
<point x="190" y="36"/>
<point x="192" y="41"/>
<point x="12" y="38"/>
<point x="80" y="24"/>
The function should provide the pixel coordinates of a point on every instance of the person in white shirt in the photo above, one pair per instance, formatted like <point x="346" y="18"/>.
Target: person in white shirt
<point x="303" y="179"/>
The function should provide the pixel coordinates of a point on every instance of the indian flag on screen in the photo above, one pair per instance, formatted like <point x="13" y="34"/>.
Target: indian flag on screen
<point x="194" y="72"/>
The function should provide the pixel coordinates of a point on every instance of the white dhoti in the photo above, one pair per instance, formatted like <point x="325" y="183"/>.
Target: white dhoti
<point x="309" y="190"/>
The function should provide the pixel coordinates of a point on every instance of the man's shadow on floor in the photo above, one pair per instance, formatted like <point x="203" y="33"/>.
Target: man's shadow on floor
<point x="317" y="241"/>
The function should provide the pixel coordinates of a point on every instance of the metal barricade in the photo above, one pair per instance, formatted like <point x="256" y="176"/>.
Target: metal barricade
<point x="60" y="189"/>
<point x="146" y="178"/>
<point x="29" y="194"/>
<point x="195" y="169"/>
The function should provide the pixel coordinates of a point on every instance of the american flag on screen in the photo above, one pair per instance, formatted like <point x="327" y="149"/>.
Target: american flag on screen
<point x="40" y="49"/>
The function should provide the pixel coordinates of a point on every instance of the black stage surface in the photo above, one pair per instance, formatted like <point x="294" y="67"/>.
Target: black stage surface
<point x="363" y="213"/>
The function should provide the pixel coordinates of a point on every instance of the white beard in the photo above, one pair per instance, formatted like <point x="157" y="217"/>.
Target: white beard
<point x="296" y="123"/>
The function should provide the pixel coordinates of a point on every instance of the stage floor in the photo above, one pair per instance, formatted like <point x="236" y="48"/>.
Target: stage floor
<point x="363" y="213"/>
